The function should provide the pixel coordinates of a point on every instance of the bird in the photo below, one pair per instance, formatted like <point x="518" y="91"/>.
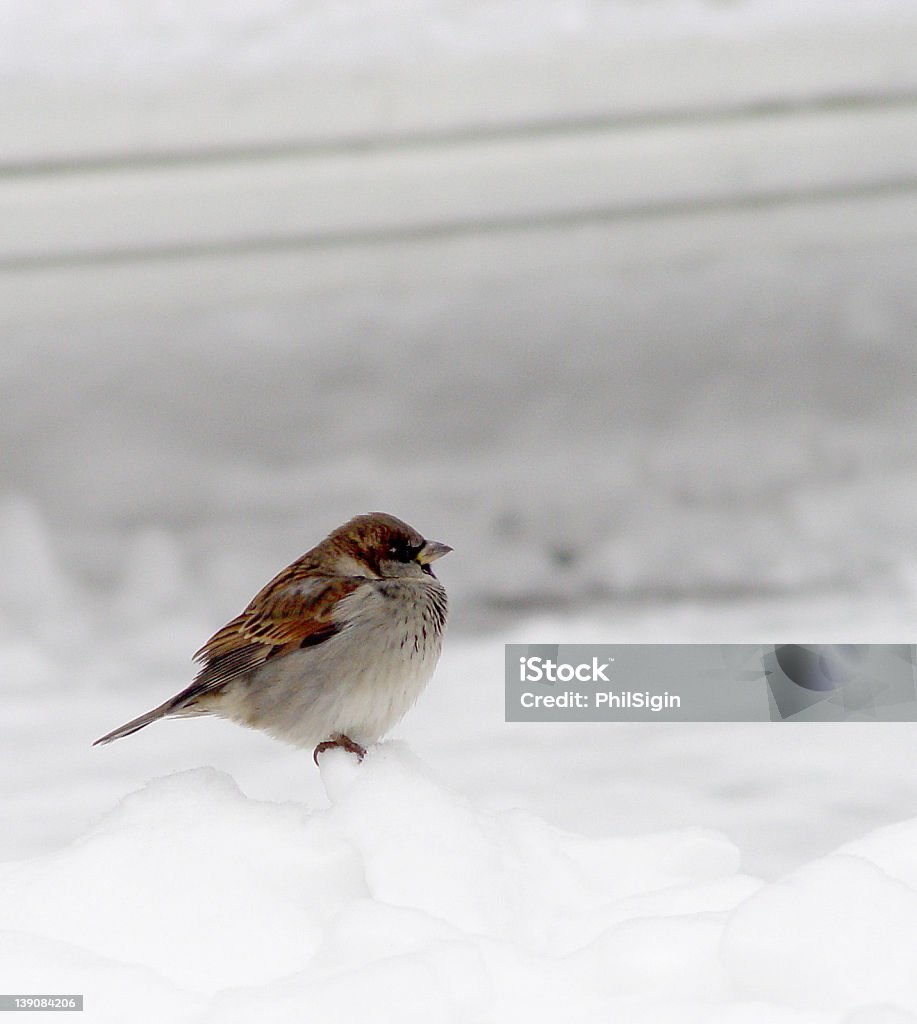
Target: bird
<point x="333" y="651"/>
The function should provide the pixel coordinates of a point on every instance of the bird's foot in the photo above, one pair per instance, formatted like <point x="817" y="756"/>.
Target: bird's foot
<point x="339" y="741"/>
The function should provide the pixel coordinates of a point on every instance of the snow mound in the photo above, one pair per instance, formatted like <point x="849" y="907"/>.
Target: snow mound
<point x="404" y="902"/>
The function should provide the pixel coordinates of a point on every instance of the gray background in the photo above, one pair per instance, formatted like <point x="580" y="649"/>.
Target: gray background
<point x="623" y="309"/>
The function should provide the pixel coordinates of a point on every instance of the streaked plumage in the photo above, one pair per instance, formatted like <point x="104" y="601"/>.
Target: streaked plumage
<point x="335" y="648"/>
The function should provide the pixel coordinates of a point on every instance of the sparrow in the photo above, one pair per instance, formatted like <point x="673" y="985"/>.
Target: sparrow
<point x="333" y="651"/>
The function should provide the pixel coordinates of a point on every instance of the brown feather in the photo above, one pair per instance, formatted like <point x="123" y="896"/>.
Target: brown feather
<point x="295" y="610"/>
<point x="292" y="608"/>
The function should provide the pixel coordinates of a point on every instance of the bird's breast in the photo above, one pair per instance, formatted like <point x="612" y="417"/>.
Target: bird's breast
<point x="362" y="680"/>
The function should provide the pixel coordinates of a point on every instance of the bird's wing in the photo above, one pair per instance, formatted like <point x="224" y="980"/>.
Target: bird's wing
<point x="289" y="614"/>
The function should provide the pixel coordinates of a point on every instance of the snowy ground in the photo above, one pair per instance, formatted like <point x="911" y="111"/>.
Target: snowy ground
<point x="404" y="901"/>
<point x="708" y="872"/>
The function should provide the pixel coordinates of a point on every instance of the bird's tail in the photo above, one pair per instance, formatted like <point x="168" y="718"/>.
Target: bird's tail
<point x="138" y="723"/>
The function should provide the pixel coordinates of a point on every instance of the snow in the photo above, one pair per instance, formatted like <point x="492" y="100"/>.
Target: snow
<point x="405" y="901"/>
<point x="835" y="934"/>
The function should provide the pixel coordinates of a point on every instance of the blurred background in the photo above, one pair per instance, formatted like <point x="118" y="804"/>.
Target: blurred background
<point x="616" y="297"/>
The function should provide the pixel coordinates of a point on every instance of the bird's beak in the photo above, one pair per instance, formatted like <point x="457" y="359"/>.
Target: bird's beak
<point x="432" y="550"/>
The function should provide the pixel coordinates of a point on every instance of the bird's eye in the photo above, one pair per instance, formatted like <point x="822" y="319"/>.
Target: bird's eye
<point x="403" y="550"/>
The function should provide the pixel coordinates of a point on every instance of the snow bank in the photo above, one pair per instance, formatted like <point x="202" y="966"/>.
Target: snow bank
<point x="404" y="902"/>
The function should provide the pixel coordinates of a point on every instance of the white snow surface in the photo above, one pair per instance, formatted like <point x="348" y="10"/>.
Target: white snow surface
<point x="406" y="901"/>
<point x="505" y="872"/>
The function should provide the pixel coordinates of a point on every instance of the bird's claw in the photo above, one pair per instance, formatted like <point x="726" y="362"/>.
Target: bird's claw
<point x="339" y="741"/>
